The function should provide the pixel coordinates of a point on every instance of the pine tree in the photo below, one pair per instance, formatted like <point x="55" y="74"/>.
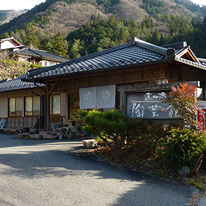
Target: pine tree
<point x="60" y="47"/>
<point x="5" y="36"/>
<point x="76" y="48"/>
<point x="33" y="41"/>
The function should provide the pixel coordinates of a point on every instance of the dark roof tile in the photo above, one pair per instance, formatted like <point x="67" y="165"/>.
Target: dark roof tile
<point x="137" y="52"/>
<point x="42" y="54"/>
<point x="16" y="84"/>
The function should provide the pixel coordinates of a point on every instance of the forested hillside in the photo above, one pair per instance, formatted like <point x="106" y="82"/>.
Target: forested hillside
<point x="8" y="15"/>
<point x="79" y="27"/>
<point x="97" y="35"/>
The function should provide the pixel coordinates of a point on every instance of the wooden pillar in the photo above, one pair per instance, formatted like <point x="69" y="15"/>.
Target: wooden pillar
<point x="47" y="107"/>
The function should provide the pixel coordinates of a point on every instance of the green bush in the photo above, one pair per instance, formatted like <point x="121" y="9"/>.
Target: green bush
<point x="143" y="140"/>
<point x="183" y="147"/>
<point x="107" y="125"/>
<point x="133" y="129"/>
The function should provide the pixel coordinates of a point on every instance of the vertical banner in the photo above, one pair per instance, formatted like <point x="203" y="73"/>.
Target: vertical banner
<point x="106" y="96"/>
<point x="201" y="115"/>
<point x="97" y="97"/>
<point x="87" y="98"/>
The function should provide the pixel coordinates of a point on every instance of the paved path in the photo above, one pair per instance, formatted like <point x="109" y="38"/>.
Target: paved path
<point x="41" y="173"/>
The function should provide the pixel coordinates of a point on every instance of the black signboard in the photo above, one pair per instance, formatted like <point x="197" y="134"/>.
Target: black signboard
<point x="150" y="105"/>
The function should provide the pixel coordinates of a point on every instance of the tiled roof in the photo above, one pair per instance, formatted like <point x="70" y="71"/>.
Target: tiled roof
<point x="203" y="61"/>
<point x="135" y="53"/>
<point x="16" y="84"/>
<point x="42" y="54"/>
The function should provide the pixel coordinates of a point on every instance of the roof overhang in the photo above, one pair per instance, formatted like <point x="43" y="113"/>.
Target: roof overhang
<point x="43" y="78"/>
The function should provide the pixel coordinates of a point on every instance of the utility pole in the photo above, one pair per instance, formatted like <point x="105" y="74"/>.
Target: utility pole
<point x="26" y="61"/>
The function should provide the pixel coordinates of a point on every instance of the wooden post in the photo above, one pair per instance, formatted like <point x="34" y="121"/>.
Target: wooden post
<point x="47" y="107"/>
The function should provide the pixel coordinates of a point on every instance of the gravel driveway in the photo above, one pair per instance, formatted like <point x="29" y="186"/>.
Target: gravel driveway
<point x="44" y="172"/>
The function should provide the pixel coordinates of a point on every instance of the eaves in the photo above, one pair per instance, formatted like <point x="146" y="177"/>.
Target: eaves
<point x="190" y="63"/>
<point x="42" y="77"/>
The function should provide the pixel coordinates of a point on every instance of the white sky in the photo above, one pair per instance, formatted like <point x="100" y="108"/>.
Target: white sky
<point x="200" y="2"/>
<point x="28" y="4"/>
<point x="18" y="4"/>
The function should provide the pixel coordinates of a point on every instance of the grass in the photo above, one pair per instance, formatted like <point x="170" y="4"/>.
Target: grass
<point x="198" y="181"/>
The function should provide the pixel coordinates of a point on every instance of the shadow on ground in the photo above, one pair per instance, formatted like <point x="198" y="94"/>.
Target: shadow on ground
<point x="37" y="159"/>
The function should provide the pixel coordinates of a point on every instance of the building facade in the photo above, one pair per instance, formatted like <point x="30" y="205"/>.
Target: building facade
<point x="134" y="77"/>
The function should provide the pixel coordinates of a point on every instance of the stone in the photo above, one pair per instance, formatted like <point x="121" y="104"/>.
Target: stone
<point x="35" y="136"/>
<point x="184" y="171"/>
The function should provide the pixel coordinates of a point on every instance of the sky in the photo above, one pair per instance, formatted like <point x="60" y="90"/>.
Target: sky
<point x="28" y="4"/>
<point x="200" y="2"/>
<point x="19" y="4"/>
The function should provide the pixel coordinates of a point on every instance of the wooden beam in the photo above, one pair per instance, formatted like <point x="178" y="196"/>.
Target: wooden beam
<point x="53" y="87"/>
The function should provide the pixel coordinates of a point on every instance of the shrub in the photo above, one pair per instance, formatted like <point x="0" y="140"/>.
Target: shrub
<point x="183" y="147"/>
<point x="143" y="140"/>
<point x="133" y="129"/>
<point x="107" y="125"/>
<point x="183" y="99"/>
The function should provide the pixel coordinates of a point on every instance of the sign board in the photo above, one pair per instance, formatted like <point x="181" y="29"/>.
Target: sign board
<point x="150" y="105"/>
<point x="201" y="115"/>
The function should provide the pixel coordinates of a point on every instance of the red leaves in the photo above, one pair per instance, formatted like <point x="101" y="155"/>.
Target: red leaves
<point x="183" y="98"/>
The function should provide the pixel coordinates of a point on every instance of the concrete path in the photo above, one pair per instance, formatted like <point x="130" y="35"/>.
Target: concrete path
<point x="46" y="173"/>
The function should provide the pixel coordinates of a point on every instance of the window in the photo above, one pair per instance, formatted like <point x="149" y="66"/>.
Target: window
<point x="32" y="106"/>
<point x="15" y="107"/>
<point x="51" y="63"/>
<point x="55" y="104"/>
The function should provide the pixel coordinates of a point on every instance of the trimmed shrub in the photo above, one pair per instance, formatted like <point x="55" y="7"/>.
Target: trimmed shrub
<point x="107" y="125"/>
<point x="144" y="140"/>
<point x="183" y="147"/>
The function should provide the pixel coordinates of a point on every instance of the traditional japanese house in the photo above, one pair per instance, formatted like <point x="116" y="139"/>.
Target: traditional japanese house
<point x="21" y="53"/>
<point x="38" y="57"/>
<point x="118" y="78"/>
<point x="10" y="44"/>
<point x="22" y="104"/>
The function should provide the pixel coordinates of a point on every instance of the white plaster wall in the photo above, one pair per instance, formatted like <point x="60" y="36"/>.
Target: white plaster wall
<point x="64" y="105"/>
<point x="6" y="45"/>
<point x="3" y="107"/>
<point x="4" y="96"/>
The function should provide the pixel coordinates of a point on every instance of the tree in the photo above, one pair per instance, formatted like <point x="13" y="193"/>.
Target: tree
<point x="76" y="48"/>
<point x="184" y="100"/>
<point x="106" y="125"/>
<point x="47" y="45"/>
<point x="4" y="36"/>
<point x="33" y="41"/>
<point x="9" y="68"/>
<point x="156" y="37"/>
<point x="60" y="47"/>
<point x="104" y="43"/>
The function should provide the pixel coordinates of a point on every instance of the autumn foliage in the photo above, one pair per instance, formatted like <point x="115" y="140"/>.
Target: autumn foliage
<point x="183" y="99"/>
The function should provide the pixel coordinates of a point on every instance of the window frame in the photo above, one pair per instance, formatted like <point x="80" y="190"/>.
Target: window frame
<point x="20" y="111"/>
<point x="32" y="106"/>
<point x="52" y="104"/>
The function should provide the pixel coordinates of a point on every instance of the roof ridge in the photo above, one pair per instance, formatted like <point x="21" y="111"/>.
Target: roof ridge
<point x="92" y="55"/>
<point x="178" y="45"/>
<point x="169" y="52"/>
